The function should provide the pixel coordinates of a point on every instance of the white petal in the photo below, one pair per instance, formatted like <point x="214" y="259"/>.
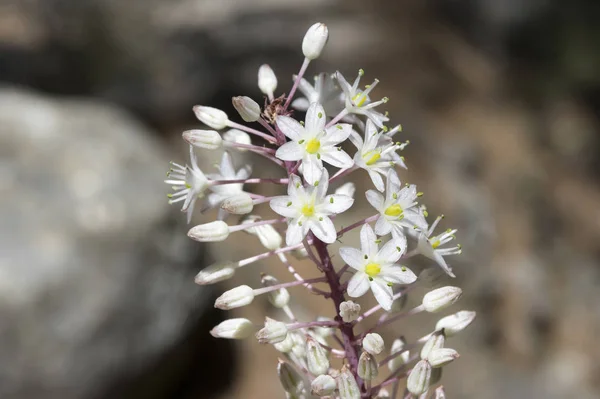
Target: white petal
<point x="226" y="167"/>
<point x="383" y="293"/>
<point x="301" y="104"/>
<point x="324" y="230"/>
<point x="356" y="140"/>
<point x="367" y="240"/>
<point x="280" y="206"/>
<point x="393" y="184"/>
<point x="343" y="83"/>
<point x="323" y="185"/>
<point x="389" y="253"/>
<point x="337" y="158"/>
<point x="377" y="180"/>
<point x="353" y="257"/>
<point x="358" y="285"/>
<point x="290" y="127"/>
<point x="290" y="151"/>
<point x="398" y="275"/>
<point x="315" y="118"/>
<point x="375" y="199"/>
<point x="341" y="203"/>
<point x="295" y="187"/>
<point x="382" y="226"/>
<point x="335" y="134"/>
<point x="295" y="233"/>
<point x="312" y="169"/>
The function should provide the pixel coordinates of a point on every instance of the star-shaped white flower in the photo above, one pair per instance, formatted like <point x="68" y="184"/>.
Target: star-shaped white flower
<point x="313" y="144"/>
<point x="376" y="268"/>
<point x="227" y="171"/>
<point x="308" y="208"/>
<point x="357" y="101"/>
<point x="429" y="246"/>
<point x="398" y="209"/>
<point x="189" y="184"/>
<point x="325" y="92"/>
<point x="376" y="153"/>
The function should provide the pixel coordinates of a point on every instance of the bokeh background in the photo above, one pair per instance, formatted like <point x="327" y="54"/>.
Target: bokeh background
<point x="499" y="98"/>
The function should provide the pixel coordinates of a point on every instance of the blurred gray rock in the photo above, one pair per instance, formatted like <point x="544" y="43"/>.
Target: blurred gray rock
<point x="95" y="287"/>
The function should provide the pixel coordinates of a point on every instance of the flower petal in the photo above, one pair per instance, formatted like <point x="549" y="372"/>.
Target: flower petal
<point x="382" y="226"/>
<point x="337" y="133"/>
<point x="398" y="275"/>
<point x="295" y="187"/>
<point x="392" y="250"/>
<point x="383" y="293"/>
<point x="353" y="257"/>
<point x="312" y="169"/>
<point x="324" y="230"/>
<point x="323" y="185"/>
<point x="315" y="119"/>
<point x="375" y="199"/>
<point x="377" y="180"/>
<point x="290" y="127"/>
<point x="280" y="206"/>
<point x="295" y="233"/>
<point x="226" y="168"/>
<point x="358" y="285"/>
<point x="337" y="203"/>
<point x="337" y="158"/>
<point x="393" y="185"/>
<point x="367" y="240"/>
<point x="356" y="140"/>
<point x="301" y="104"/>
<point x="290" y="151"/>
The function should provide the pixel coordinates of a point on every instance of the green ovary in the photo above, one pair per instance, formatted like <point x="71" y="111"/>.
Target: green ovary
<point x="359" y="99"/>
<point x="308" y="210"/>
<point x="371" y="157"/>
<point x="372" y="269"/>
<point x="313" y="146"/>
<point x="394" y="210"/>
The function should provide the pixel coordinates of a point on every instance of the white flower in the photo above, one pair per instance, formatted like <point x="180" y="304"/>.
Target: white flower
<point x="357" y="101"/>
<point x="325" y="92"/>
<point x="189" y="184"/>
<point x="376" y="268"/>
<point x="222" y="191"/>
<point x="312" y="143"/>
<point x="429" y="246"/>
<point x="314" y="40"/>
<point x="309" y="208"/>
<point x="376" y="153"/>
<point x="397" y="210"/>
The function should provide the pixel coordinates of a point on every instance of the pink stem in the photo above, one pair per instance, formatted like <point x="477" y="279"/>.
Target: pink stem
<point x="296" y="82"/>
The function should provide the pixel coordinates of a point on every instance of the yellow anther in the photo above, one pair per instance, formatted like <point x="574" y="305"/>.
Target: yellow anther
<point x="372" y="269"/>
<point x="359" y="99"/>
<point x="394" y="210"/>
<point x="313" y="146"/>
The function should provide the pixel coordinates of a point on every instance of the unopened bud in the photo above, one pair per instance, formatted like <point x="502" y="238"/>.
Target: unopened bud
<point x="373" y="343"/>
<point x="440" y="393"/>
<point x="233" y="329"/>
<point x="215" y="273"/>
<point x="248" y="109"/>
<point x="278" y="298"/>
<point x="324" y="331"/>
<point x="300" y="253"/>
<point x="346" y="189"/>
<point x="349" y="311"/>
<point x="212" y="117"/>
<point x="207" y="139"/>
<point x="267" y="81"/>
<point x="441" y="357"/>
<point x="367" y="366"/>
<point x="299" y="348"/>
<point x="441" y="298"/>
<point x="273" y="332"/>
<point x="238" y="204"/>
<point x="209" y="232"/>
<point x="316" y="357"/>
<point x="347" y="386"/>
<point x="235" y="298"/>
<point x="286" y="345"/>
<point x="456" y="322"/>
<point x="436" y="341"/>
<point x="400" y="360"/>
<point x="419" y="378"/>
<point x="238" y="137"/>
<point x="268" y="236"/>
<point x="323" y="385"/>
<point x="315" y="40"/>
<point x="290" y="379"/>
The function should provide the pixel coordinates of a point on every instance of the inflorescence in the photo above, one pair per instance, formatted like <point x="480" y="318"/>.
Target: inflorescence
<point x="336" y="112"/>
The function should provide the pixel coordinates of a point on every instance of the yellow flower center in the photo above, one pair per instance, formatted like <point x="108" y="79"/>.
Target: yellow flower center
<point x="373" y="156"/>
<point x="359" y="99"/>
<point x="372" y="269"/>
<point x="394" y="210"/>
<point x="313" y="146"/>
<point x="308" y="210"/>
<point x="435" y="244"/>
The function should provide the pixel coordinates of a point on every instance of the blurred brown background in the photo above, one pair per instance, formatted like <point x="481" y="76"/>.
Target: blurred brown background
<point x="499" y="99"/>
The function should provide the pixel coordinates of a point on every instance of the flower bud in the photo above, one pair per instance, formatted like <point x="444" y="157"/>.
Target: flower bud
<point x="324" y="331"/>
<point x="347" y="386"/>
<point x="367" y="366"/>
<point x="441" y="357"/>
<point x="441" y="298"/>
<point x="323" y="385"/>
<point x="235" y="298"/>
<point x="238" y="204"/>
<point x="300" y="253"/>
<point x="290" y="379"/>
<point x="436" y="341"/>
<point x="373" y="343"/>
<point x="212" y="117"/>
<point x="382" y="394"/>
<point x="316" y="357"/>
<point x="267" y="81"/>
<point x="268" y="236"/>
<point x="456" y="322"/>
<point x="273" y="332"/>
<point x="233" y="329"/>
<point x="215" y="273"/>
<point x="286" y="345"/>
<point x="346" y="189"/>
<point x="314" y="41"/>
<point x="402" y="358"/>
<point x="419" y="378"/>
<point x="238" y="137"/>
<point x="210" y="232"/>
<point x="207" y="139"/>
<point x="278" y="298"/>
<point x="248" y="109"/>
<point x="299" y="348"/>
<point x="440" y="393"/>
<point x="349" y="311"/>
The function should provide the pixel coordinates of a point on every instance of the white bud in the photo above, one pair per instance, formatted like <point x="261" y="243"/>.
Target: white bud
<point x="347" y="386"/>
<point x="346" y="189"/>
<point x="299" y="348"/>
<point x="290" y="379"/>
<point x="238" y="137"/>
<point x="233" y="329"/>
<point x="382" y="394"/>
<point x="267" y="81"/>
<point x="349" y="311"/>
<point x="300" y="253"/>
<point x="273" y="332"/>
<point x="373" y="343"/>
<point x="212" y="117"/>
<point x="316" y="357"/>
<point x="248" y="109"/>
<point x="324" y="331"/>
<point x="207" y="139"/>
<point x="419" y="378"/>
<point x="278" y="298"/>
<point x="314" y="41"/>
<point x="456" y="322"/>
<point x="440" y="393"/>
<point x="210" y="232"/>
<point x="367" y="366"/>
<point x="436" y="341"/>
<point x="215" y="273"/>
<point x="286" y="345"/>
<point x="238" y="204"/>
<point x="441" y="357"/>
<point x="400" y="360"/>
<point x="323" y="385"/>
<point x="235" y="298"/>
<point x="268" y="236"/>
<point x="441" y="298"/>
